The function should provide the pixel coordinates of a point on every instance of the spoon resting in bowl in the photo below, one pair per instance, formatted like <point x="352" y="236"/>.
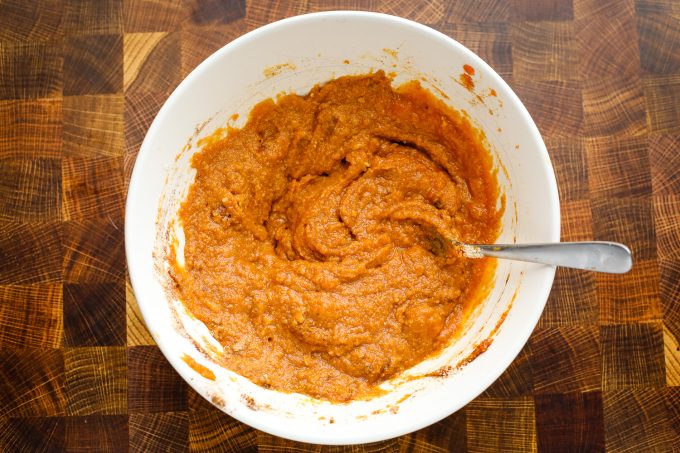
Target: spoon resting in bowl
<point x="610" y="257"/>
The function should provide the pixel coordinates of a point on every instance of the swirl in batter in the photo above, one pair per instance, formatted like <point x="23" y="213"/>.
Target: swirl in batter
<point x="314" y="235"/>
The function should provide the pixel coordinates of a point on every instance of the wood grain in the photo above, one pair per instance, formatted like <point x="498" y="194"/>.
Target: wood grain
<point x="154" y="386"/>
<point x="137" y="333"/>
<point x="544" y="51"/>
<point x="31" y="316"/>
<point x="100" y="433"/>
<point x="490" y="41"/>
<point x="93" y="65"/>
<point x="96" y="381"/>
<point x="613" y="34"/>
<point x="80" y="84"/>
<point x="556" y="106"/>
<point x="30" y="189"/>
<point x="152" y="15"/>
<point x="637" y="419"/>
<point x="93" y="251"/>
<point x="507" y="424"/>
<point x="94" y="314"/>
<point x="167" y="432"/>
<point x="619" y="167"/>
<point x="661" y="94"/>
<point x="566" y="359"/>
<point x="31" y="70"/>
<point x="31" y="128"/>
<point x="31" y="382"/>
<point x="632" y="356"/>
<point x="570" y="422"/>
<point x="93" y="126"/>
<point x="664" y="158"/>
<point x="31" y="252"/>
<point x="151" y="62"/>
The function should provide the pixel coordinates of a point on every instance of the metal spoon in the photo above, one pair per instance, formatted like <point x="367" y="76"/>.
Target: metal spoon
<point x="610" y="257"/>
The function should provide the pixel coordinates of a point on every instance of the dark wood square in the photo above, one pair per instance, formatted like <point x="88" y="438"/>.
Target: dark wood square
<point x="637" y="420"/>
<point x="200" y="42"/>
<point x="31" y="70"/>
<point x="568" y="156"/>
<point x="632" y="356"/>
<point x="516" y="380"/>
<point x="152" y="62"/>
<point x="94" y="17"/>
<point x="39" y="307"/>
<point x="32" y="434"/>
<point x="168" y="432"/>
<point x="664" y="158"/>
<point x="37" y="20"/>
<point x="94" y="314"/>
<point x="473" y="11"/>
<point x="613" y="105"/>
<point x="93" y="126"/>
<point x="658" y="36"/>
<point x="93" y="251"/>
<point x="36" y="246"/>
<point x="491" y="41"/>
<point x="153" y="385"/>
<point x="568" y="422"/>
<point x="566" y="359"/>
<point x="96" y="381"/>
<point x="152" y="15"/>
<point x="94" y="189"/>
<point x="31" y="382"/>
<point x="544" y="50"/>
<point x="215" y="12"/>
<point x="30" y="189"/>
<point x="506" y="424"/>
<point x="100" y="433"/>
<point x="661" y="95"/>
<point x="545" y="10"/>
<point x="619" y="167"/>
<point x="572" y="301"/>
<point x="93" y="65"/>
<point x="612" y="34"/>
<point x="555" y="106"/>
<point x="31" y="128"/>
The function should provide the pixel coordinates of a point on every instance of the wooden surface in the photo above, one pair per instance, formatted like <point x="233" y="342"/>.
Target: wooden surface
<point x="80" y="82"/>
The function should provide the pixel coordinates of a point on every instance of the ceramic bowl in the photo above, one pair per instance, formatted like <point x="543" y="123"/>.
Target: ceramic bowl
<point x="293" y="55"/>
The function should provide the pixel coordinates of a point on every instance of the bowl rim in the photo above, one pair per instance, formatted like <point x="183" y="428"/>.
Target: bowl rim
<point x="436" y="413"/>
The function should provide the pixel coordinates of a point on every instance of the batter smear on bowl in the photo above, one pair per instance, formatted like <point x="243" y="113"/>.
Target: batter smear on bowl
<point x="314" y="235"/>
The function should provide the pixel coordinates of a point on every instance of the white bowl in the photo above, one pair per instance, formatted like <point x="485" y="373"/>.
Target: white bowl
<point x="291" y="56"/>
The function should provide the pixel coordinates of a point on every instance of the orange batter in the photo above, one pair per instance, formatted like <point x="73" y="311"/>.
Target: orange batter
<point x="315" y="234"/>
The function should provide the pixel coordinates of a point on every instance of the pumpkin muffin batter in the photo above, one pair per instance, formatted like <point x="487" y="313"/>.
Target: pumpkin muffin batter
<point x="314" y="235"/>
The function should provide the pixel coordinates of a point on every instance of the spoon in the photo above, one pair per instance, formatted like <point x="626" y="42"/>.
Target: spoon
<point x="610" y="257"/>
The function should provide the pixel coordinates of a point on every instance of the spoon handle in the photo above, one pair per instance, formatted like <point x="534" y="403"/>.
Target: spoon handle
<point x="609" y="257"/>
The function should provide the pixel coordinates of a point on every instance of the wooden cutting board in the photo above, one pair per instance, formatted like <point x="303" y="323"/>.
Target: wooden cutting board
<point x="80" y="82"/>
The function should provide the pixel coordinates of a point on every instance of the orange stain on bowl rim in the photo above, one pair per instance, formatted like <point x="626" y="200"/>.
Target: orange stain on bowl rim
<point x="466" y="77"/>
<point x="197" y="367"/>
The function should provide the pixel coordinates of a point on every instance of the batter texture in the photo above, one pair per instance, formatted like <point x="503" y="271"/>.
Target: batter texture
<point x="315" y="235"/>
